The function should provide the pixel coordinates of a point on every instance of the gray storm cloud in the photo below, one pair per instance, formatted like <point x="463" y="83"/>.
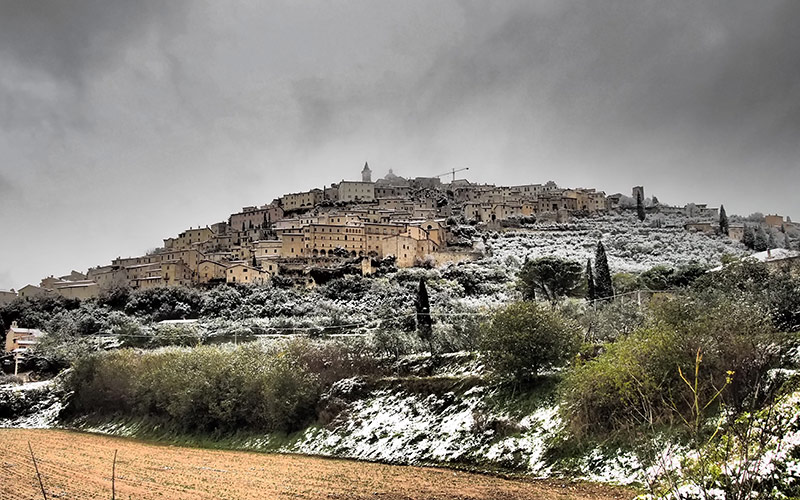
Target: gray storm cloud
<point x="122" y="122"/>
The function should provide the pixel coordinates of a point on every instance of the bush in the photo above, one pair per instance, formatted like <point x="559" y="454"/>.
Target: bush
<point x="749" y="281"/>
<point x="388" y="343"/>
<point x="35" y="312"/>
<point x="218" y="389"/>
<point x="347" y="288"/>
<point x="174" y="302"/>
<point x="636" y="382"/>
<point x="524" y="338"/>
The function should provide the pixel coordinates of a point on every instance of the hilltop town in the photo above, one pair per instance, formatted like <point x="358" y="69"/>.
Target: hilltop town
<point x="359" y="225"/>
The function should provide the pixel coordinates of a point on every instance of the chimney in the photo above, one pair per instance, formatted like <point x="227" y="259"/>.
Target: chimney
<point x="14" y="324"/>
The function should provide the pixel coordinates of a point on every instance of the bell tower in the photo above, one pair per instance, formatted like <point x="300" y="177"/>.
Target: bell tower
<point x="366" y="174"/>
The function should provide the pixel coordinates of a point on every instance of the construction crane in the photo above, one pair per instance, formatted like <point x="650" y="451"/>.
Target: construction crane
<point x="452" y="172"/>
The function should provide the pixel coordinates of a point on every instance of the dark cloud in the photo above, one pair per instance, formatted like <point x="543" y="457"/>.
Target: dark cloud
<point x="610" y="71"/>
<point x="74" y="40"/>
<point x="133" y="119"/>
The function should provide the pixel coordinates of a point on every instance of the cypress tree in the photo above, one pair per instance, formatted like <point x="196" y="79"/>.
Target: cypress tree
<point x="787" y="243"/>
<point x="602" y="274"/>
<point x="640" y="207"/>
<point x="723" y="221"/>
<point x="424" y="320"/>
<point x="591" y="294"/>
<point x="748" y="237"/>
<point x="771" y="241"/>
<point x="761" y="242"/>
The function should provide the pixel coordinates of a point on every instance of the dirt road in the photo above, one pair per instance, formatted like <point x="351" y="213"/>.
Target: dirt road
<point x="78" y="466"/>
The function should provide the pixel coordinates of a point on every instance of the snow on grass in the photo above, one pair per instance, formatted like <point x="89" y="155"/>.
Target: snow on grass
<point x="35" y="405"/>
<point x="396" y="426"/>
<point x="631" y="246"/>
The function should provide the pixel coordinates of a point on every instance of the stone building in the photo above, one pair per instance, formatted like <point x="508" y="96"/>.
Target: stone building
<point x="242" y="273"/>
<point x="775" y="221"/>
<point x="21" y="339"/>
<point x="356" y="191"/>
<point x="7" y="296"/>
<point x="209" y="271"/>
<point x="304" y="200"/>
<point x="251" y="217"/>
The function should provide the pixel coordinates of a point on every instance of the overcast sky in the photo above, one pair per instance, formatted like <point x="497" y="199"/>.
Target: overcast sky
<point x="125" y="122"/>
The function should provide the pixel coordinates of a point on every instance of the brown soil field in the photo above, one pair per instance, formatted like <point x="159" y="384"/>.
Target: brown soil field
<point x="78" y="466"/>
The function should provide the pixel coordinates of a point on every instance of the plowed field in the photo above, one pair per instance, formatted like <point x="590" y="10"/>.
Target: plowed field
<point x="78" y="466"/>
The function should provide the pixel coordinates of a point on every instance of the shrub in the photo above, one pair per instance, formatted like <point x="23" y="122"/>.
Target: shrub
<point x="173" y="302"/>
<point x="388" y="343"/>
<point x="524" y="338"/>
<point x="218" y="389"/>
<point x="751" y="282"/>
<point x="636" y="380"/>
<point x="221" y="302"/>
<point x="348" y="288"/>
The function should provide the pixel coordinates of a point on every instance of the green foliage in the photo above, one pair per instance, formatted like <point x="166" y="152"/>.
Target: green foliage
<point x="215" y="389"/>
<point x="604" y="286"/>
<point x="749" y="281"/>
<point x="35" y="312"/>
<point x="749" y="237"/>
<point x="114" y="296"/>
<point x="174" y="302"/>
<point x="424" y="318"/>
<point x="626" y="282"/>
<point x="761" y="241"/>
<point x="221" y="302"/>
<point x="349" y="287"/>
<point x="723" y="221"/>
<point x="636" y="381"/>
<point x="608" y="322"/>
<point x="475" y="279"/>
<point x="551" y="277"/>
<point x="524" y="338"/>
<point x="667" y="278"/>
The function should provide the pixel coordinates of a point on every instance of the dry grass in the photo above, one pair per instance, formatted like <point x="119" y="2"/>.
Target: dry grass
<point x="78" y="466"/>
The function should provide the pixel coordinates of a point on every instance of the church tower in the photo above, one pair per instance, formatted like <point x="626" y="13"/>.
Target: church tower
<point x="366" y="174"/>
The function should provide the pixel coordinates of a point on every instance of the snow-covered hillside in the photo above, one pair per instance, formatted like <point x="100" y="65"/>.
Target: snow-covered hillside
<point x="631" y="246"/>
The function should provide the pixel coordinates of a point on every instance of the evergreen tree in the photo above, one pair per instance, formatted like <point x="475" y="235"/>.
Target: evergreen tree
<point x="723" y="221"/>
<point x="424" y="320"/>
<point x="748" y="237"/>
<point x="787" y="242"/>
<point x="549" y="277"/>
<point x="655" y="201"/>
<point x="772" y="242"/>
<point x="255" y="262"/>
<point x="602" y="274"/>
<point x="640" y="207"/>
<point x="761" y="242"/>
<point x="591" y="294"/>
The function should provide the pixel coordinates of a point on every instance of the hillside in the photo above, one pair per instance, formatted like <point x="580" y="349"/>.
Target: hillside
<point x="632" y="246"/>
